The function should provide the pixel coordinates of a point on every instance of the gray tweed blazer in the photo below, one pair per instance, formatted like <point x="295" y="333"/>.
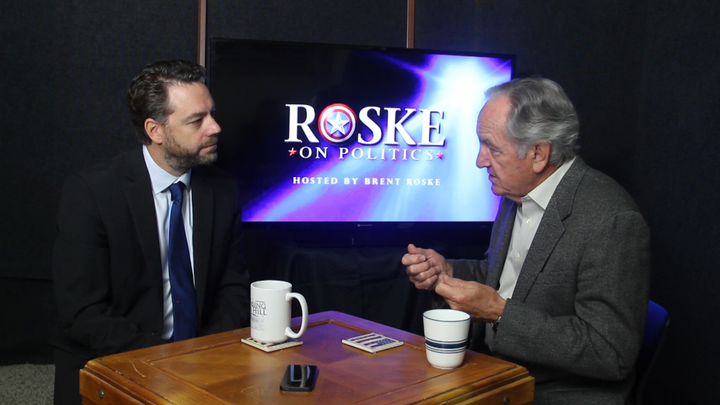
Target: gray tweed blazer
<point x="577" y="314"/>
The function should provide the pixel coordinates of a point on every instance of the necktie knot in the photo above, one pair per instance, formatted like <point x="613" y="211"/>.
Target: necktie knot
<point x="176" y="191"/>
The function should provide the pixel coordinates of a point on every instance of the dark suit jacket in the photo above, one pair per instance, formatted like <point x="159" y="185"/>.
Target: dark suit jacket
<point x="577" y="314"/>
<point x="106" y="261"/>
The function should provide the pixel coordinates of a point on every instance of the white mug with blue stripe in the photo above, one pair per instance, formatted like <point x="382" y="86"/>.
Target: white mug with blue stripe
<point x="446" y="333"/>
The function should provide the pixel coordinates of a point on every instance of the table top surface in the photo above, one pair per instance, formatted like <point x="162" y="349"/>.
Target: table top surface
<point x="220" y="369"/>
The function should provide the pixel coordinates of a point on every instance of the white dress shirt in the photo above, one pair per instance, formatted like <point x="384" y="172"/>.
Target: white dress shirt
<point x="161" y="181"/>
<point x="527" y="219"/>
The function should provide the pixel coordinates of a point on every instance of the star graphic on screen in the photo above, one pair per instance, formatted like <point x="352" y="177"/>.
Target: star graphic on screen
<point x="440" y="155"/>
<point x="338" y="123"/>
<point x="292" y="151"/>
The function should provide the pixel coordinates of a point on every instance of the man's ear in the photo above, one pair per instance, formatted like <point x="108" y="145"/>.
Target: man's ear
<point x="540" y="154"/>
<point x="155" y="130"/>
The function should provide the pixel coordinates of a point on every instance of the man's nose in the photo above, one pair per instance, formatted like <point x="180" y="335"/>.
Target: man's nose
<point x="214" y="127"/>
<point x="482" y="159"/>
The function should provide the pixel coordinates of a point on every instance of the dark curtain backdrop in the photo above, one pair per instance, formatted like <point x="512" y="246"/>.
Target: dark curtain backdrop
<point x="65" y="67"/>
<point x="642" y="74"/>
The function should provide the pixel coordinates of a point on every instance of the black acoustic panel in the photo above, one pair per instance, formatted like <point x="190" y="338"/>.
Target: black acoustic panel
<point x="677" y="176"/>
<point x="355" y="22"/>
<point x="592" y="48"/>
<point x="66" y="67"/>
<point x="28" y="318"/>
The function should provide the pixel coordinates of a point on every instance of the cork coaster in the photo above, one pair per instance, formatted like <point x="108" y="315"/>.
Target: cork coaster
<point x="271" y="347"/>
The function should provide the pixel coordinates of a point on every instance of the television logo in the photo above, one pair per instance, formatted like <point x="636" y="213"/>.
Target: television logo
<point x="337" y="124"/>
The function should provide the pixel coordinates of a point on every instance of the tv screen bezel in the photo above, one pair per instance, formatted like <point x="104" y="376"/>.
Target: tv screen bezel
<point x="362" y="233"/>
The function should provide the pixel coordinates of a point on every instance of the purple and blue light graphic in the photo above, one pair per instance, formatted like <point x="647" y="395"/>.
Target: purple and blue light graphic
<point x="420" y="170"/>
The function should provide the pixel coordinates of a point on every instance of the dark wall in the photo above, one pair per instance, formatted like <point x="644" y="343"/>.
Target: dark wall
<point x="592" y="48"/>
<point x="358" y="22"/>
<point x="678" y="189"/>
<point x="642" y="74"/>
<point x="65" y="69"/>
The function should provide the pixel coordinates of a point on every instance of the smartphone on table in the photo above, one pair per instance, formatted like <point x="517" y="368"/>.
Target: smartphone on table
<point x="299" y="377"/>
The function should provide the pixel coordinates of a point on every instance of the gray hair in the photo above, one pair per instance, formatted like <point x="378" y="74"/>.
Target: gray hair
<point x="541" y="112"/>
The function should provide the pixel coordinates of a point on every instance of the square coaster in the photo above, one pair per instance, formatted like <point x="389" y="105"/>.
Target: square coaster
<point x="372" y="342"/>
<point x="271" y="347"/>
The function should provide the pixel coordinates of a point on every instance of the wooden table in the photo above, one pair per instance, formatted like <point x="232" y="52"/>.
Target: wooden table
<point x="220" y="369"/>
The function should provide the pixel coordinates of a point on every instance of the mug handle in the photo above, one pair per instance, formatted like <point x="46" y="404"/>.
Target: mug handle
<point x="303" y="305"/>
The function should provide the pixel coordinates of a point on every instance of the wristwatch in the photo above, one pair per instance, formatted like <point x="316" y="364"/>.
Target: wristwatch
<point x="495" y="324"/>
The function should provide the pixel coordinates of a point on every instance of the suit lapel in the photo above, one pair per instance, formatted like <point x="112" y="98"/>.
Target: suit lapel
<point x="138" y="194"/>
<point x="547" y="236"/>
<point x="203" y="217"/>
<point x="550" y="230"/>
<point x="504" y="224"/>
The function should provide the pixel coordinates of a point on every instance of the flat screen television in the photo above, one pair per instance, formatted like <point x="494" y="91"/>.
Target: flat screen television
<point x="348" y="137"/>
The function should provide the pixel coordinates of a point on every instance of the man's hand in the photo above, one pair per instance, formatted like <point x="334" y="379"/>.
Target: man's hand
<point x="424" y="267"/>
<point x="480" y="301"/>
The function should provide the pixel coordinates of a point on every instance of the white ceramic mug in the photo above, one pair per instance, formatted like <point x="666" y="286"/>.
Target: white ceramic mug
<point x="446" y="332"/>
<point x="270" y="310"/>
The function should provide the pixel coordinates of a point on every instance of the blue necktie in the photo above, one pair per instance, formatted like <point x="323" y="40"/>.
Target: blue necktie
<point x="182" y="287"/>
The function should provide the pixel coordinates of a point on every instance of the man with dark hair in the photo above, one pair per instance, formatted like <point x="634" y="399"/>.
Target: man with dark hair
<point x="148" y="246"/>
<point x="563" y="289"/>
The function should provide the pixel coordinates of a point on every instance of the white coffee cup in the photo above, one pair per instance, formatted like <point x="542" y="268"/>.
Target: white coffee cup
<point x="446" y="332"/>
<point x="270" y="309"/>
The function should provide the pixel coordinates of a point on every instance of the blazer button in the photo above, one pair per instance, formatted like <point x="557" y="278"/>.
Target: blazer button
<point x="155" y="333"/>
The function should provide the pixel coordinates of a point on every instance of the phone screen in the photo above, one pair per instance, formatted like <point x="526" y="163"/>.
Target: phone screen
<point x="299" y="378"/>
